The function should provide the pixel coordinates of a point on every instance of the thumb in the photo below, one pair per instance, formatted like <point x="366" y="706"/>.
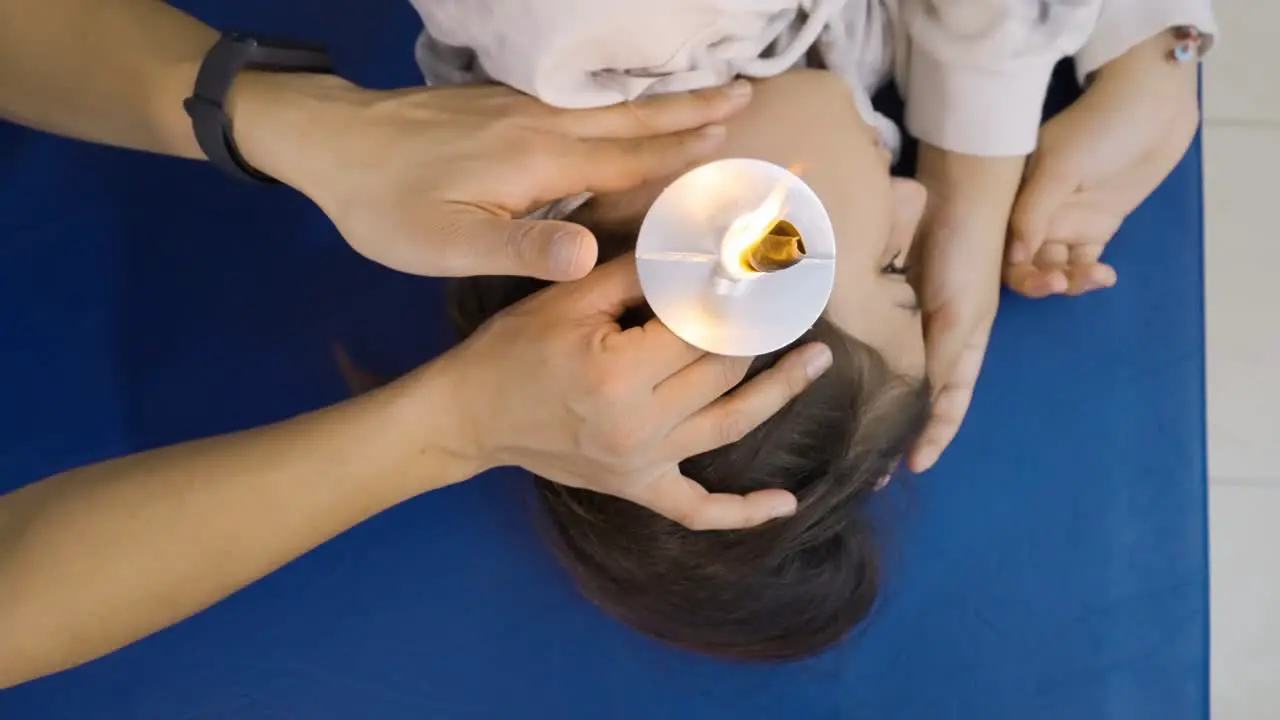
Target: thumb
<point x="1043" y="192"/>
<point x="608" y="290"/>
<point x="482" y="244"/>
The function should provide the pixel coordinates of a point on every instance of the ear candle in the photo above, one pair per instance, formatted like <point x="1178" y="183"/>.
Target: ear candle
<point x="737" y="257"/>
<point x="779" y="250"/>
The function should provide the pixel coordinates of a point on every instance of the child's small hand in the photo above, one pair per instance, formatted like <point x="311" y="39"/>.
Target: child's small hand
<point x="957" y="275"/>
<point x="1097" y="162"/>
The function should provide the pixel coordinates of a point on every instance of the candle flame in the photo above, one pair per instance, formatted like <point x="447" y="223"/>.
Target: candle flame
<point x="750" y="230"/>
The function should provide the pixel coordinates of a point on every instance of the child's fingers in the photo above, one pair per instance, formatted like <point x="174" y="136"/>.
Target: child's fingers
<point x="1047" y="188"/>
<point x="1053" y="255"/>
<point x="1088" y="277"/>
<point x="1061" y="267"/>
<point x="1086" y="253"/>
<point x="1032" y="282"/>
<point x="949" y="408"/>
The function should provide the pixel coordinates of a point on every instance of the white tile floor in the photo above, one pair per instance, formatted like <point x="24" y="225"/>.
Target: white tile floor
<point x="1242" y="157"/>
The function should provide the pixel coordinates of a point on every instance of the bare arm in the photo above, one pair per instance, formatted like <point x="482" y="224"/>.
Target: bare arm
<point x="970" y="195"/>
<point x="116" y="73"/>
<point x="95" y="558"/>
<point x="109" y="72"/>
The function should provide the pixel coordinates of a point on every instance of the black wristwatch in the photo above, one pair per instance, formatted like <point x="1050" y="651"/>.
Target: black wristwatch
<point x="231" y="54"/>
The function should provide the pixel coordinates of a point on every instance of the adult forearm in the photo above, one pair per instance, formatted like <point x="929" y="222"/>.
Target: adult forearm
<point x="109" y="72"/>
<point x="98" y="557"/>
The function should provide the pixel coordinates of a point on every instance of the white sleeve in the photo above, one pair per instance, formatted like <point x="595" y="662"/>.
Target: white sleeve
<point x="976" y="72"/>
<point x="1123" y="24"/>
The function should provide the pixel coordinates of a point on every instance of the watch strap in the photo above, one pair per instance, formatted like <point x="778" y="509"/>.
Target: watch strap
<point x="232" y="54"/>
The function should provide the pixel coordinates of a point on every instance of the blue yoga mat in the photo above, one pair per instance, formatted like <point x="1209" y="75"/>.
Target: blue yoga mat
<point x="1054" y="566"/>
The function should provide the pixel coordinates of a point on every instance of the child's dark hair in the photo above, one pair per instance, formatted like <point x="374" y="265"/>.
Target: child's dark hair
<point x="785" y="590"/>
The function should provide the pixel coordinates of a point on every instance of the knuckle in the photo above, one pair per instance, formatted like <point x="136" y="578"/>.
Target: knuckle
<point x="1021" y="219"/>
<point x="607" y="386"/>
<point x="688" y="514"/>
<point x="732" y="371"/>
<point x="692" y="520"/>
<point x="539" y="163"/>
<point x="452" y="255"/>
<point x="733" y="427"/>
<point x="797" y="381"/>
<point x="520" y="244"/>
<point x="707" y="103"/>
<point x="624" y="441"/>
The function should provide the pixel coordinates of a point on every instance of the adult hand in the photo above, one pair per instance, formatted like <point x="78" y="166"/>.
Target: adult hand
<point x="1097" y="162"/>
<point x="434" y="181"/>
<point x="553" y="385"/>
<point x="957" y="276"/>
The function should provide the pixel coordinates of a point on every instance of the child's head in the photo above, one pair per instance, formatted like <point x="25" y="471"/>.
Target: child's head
<point x="787" y="589"/>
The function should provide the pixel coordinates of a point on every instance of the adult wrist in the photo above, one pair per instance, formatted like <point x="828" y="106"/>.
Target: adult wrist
<point x="441" y="426"/>
<point x="281" y="122"/>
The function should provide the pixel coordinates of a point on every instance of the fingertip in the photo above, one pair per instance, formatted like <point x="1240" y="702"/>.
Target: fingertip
<point x="1091" y="278"/>
<point x="1030" y="282"/>
<point x="1024" y="285"/>
<point x="922" y="459"/>
<point x="740" y="90"/>
<point x="777" y="503"/>
<point x="714" y="133"/>
<point x="1107" y="276"/>
<point x="732" y="98"/>
<point x="1014" y="277"/>
<point x="756" y="509"/>
<point x="572" y="254"/>
<point x="817" y="359"/>
<point x="1056" y="283"/>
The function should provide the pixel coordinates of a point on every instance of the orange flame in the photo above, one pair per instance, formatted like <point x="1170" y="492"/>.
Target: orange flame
<point x="750" y="229"/>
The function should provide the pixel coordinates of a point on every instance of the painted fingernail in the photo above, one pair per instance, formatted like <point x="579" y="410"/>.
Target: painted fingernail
<point x="817" y="361"/>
